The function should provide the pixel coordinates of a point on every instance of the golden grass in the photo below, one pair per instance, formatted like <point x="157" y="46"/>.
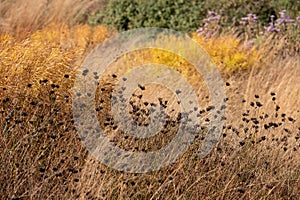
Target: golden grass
<point x="42" y="156"/>
<point x="228" y="53"/>
<point x="21" y="16"/>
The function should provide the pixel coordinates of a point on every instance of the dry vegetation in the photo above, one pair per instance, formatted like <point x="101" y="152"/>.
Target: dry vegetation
<point x="20" y="17"/>
<point x="42" y="156"/>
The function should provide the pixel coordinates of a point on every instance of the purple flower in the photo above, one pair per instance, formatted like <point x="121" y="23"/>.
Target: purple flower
<point x="288" y="20"/>
<point x="270" y="28"/>
<point x="243" y="22"/>
<point x="251" y="16"/>
<point x="244" y="19"/>
<point x="280" y="20"/>
<point x="282" y="13"/>
<point x="212" y="13"/>
<point x="200" y="30"/>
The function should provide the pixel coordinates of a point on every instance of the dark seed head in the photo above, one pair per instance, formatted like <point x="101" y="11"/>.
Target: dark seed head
<point x="223" y="107"/>
<point x="259" y="104"/>
<point x="291" y="119"/>
<point x="242" y="143"/>
<point x="5" y="100"/>
<point x="178" y="91"/>
<point x="42" y="169"/>
<point x="43" y="81"/>
<point x="210" y="108"/>
<point x="141" y="87"/>
<point x="85" y="72"/>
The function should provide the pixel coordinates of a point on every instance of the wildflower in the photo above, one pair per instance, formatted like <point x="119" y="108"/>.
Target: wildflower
<point x="282" y="13"/>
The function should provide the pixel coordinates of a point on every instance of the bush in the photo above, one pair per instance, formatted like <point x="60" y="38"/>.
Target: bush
<point x="186" y="15"/>
<point x="177" y="14"/>
<point x="263" y="8"/>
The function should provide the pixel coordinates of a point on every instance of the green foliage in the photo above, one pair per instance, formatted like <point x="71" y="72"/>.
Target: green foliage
<point x="127" y="14"/>
<point x="186" y="15"/>
<point x="262" y="8"/>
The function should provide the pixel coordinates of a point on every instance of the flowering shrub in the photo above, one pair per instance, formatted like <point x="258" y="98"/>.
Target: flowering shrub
<point x="250" y="29"/>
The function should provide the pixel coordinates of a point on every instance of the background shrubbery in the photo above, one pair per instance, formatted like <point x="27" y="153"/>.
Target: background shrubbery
<point x="128" y="14"/>
<point x="186" y="15"/>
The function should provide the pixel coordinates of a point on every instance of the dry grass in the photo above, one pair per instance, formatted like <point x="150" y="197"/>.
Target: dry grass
<point x="42" y="156"/>
<point x="21" y="16"/>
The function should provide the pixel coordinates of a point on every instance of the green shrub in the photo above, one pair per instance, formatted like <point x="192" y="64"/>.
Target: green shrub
<point x="127" y="14"/>
<point x="186" y="15"/>
<point x="262" y="8"/>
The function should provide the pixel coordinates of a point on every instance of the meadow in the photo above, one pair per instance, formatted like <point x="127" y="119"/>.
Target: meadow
<point x="43" y="45"/>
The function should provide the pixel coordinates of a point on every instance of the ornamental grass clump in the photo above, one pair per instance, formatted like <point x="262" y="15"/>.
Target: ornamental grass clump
<point x="228" y="52"/>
